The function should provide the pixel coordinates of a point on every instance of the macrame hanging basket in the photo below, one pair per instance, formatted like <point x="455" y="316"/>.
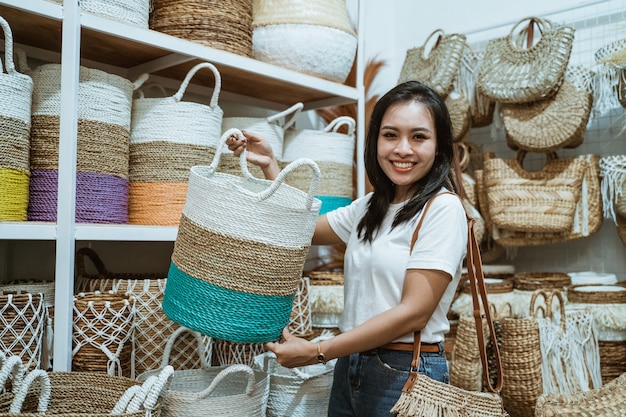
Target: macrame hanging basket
<point x="22" y="324"/>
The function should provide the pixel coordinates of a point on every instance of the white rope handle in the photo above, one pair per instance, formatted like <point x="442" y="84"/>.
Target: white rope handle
<point x="518" y="40"/>
<point x="438" y="32"/>
<point x="280" y="179"/>
<point x="293" y="110"/>
<point x="8" y="47"/>
<point x="216" y="90"/>
<point x="225" y="373"/>
<point x="141" y="94"/>
<point x="157" y="388"/>
<point x="339" y="122"/>
<point x="12" y="366"/>
<point x="169" y="346"/>
<point x="44" y="393"/>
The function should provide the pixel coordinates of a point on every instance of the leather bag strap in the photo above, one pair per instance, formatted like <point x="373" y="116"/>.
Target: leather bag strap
<point x="479" y="294"/>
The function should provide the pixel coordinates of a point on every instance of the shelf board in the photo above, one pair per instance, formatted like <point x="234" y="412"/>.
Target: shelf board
<point x="28" y="231"/>
<point x="125" y="232"/>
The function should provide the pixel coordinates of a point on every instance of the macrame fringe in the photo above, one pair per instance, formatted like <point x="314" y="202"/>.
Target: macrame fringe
<point x="611" y="316"/>
<point x="414" y="405"/>
<point x="326" y="298"/>
<point x="613" y="173"/>
<point x="604" y="84"/>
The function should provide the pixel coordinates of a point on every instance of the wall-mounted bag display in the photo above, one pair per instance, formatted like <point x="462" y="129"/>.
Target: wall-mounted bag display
<point x="553" y="123"/>
<point x="241" y="246"/>
<point x="512" y="73"/>
<point x="438" y="66"/>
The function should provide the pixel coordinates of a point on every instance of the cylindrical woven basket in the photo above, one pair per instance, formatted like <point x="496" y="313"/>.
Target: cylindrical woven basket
<point x="610" y="76"/>
<point x="531" y="281"/>
<point x="102" y="333"/>
<point x="224" y="24"/>
<point x="104" y="104"/>
<point x="153" y="328"/>
<point x="132" y="12"/>
<point x="245" y="298"/>
<point x="22" y="324"/>
<point x="295" y="392"/>
<point x="333" y="151"/>
<point x="161" y="153"/>
<point x="326" y="298"/>
<point x="231" y="353"/>
<point x="16" y="91"/>
<point x="300" y="319"/>
<point x="465" y="368"/>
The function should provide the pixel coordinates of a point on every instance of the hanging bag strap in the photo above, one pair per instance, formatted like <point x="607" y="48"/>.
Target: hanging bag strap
<point x="477" y="286"/>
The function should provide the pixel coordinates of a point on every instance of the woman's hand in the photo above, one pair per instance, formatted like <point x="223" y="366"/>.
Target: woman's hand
<point x="258" y="152"/>
<point x="293" y="351"/>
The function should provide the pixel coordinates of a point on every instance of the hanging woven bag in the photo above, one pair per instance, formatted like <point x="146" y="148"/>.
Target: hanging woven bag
<point x="16" y="91"/>
<point x="613" y="183"/>
<point x="22" y="324"/>
<point x="512" y="73"/>
<point x="609" y="87"/>
<point x="435" y="65"/>
<point x="162" y="153"/>
<point x="240" y="250"/>
<point x="333" y="152"/>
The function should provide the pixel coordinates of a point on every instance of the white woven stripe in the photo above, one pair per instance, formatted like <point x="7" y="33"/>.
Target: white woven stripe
<point x="230" y="205"/>
<point x="135" y="12"/>
<point x="102" y="97"/>
<point x="319" y="146"/>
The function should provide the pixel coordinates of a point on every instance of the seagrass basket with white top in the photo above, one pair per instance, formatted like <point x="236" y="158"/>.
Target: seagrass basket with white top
<point x="132" y="12"/>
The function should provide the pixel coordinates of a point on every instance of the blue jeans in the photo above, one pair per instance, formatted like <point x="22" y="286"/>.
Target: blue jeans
<point x="370" y="383"/>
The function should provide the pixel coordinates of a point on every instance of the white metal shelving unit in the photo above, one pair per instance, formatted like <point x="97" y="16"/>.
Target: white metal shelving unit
<point x="63" y="34"/>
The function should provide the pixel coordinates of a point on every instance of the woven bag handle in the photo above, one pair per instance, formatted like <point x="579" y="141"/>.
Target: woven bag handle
<point x="145" y="395"/>
<point x="8" y="47"/>
<point x="225" y="373"/>
<point x="294" y="111"/>
<point x="216" y="90"/>
<point x="169" y="346"/>
<point x="94" y="258"/>
<point x="44" y="392"/>
<point x="141" y="94"/>
<point x="438" y="32"/>
<point x="526" y="34"/>
<point x="520" y="155"/>
<point x="340" y="121"/>
<point x="549" y="302"/>
<point x="12" y="366"/>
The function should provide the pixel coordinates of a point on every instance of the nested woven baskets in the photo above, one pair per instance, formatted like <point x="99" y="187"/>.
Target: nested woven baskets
<point x="333" y="151"/>
<point x="102" y="334"/>
<point x="16" y="91"/>
<point x="153" y="328"/>
<point x="104" y="104"/>
<point x="313" y="37"/>
<point x="224" y="24"/>
<point x="161" y="153"/>
<point x="243" y="271"/>
<point x="531" y="281"/>
<point x="22" y="325"/>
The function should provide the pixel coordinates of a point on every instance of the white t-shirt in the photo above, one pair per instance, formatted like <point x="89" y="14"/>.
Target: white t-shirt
<point x="374" y="273"/>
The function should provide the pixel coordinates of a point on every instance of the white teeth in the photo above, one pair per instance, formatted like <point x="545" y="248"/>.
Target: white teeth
<point x="403" y="164"/>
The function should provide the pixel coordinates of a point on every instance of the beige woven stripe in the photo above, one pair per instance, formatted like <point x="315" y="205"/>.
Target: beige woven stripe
<point x="14" y="146"/>
<point x="157" y="204"/>
<point x="237" y="264"/>
<point x="336" y="179"/>
<point x="44" y="142"/>
<point x="165" y="161"/>
<point x="229" y="164"/>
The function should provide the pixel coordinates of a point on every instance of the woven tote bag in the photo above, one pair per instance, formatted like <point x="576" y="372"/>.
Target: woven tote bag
<point x="460" y="115"/>
<point x="153" y="328"/>
<point x="16" y="90"/>
<point x="609" y="87"/>
<point x="104" y="104"/>
<point x="481" y="108"/>
<point x="22" y="324"/>
<point x="161" y="153"/>
<point x="436" y="66"/>
<point x="314" y="37"/>
<point x="613" y="185"/>
<point x="333" y="152"/>
<point x="132" y="12"/>
<point x="242" y="270"/>
<point x="223" y="24"/>
<point x="512" y="73"/>
<point x="271" y="128"/>
<point x="553" y="123"/>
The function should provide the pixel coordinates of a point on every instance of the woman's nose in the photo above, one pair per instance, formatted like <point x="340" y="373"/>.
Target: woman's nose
<point x="403" y="147"/>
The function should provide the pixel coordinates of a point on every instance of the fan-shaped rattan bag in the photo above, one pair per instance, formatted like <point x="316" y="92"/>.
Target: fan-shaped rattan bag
<point x="511" y="73"/>
<point x="437" y="67"/>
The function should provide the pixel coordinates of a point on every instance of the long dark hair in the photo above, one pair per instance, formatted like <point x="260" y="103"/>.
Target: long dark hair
<point x="440" y="175"/>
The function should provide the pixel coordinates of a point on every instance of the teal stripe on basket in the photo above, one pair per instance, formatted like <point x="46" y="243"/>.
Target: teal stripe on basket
<point x="329" y="203"/>
<point x="222" y="313"/>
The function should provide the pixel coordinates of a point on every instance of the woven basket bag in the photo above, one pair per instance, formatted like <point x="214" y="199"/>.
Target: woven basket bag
<point x="16" y="90"/>
<point x="243" y="271"/>
<point x="613" y="185"/>
<point x="436" y="66"/>
<point x="153" y="328"/>
<point x="512" y="73"/>
<point x="161" y="153"/>
<point x="132" y="12"/>
<point x="300" y="319"/>
<point x="610" y="76"/>
<point x="460" y="115"/>
<point x="314" y="37"/>
<point x="22" y="325"/>
<point x="223" y="24"/>
<point x="553" y="123"/>
<point x="333" y="152"/>
<point x="104" y="109"/>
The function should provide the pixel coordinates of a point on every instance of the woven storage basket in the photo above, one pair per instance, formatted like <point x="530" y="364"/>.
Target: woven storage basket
<point x="511" y="73"/>
<point x="613" y="185"/>
<point x="436" y="66"/>
<point x="224" y="24"/>
<point x="104" y="108"/>
<point x="607" y="401"/>
<point x="465" y="368"/>
<point x="246" y="297"/>
<point x="499" y="291"/>
<point x="333" y="151"/>
<point x="300" y="319"/>
<point x="271" y="128"/>
<point x="22" y="324"/>
<point x="16" y="91"/>
<point x="460" y="115"/>
<point x="326" y="298"/>
<point x="231" y="353"/>
<point x="102" y="333"/>
<point x="161" y="153"/>
<point x="312" y="37"/>
<point x="610" y="76"/>
<point x="303" y="391"/>
<point x="132" y="12"/>
<point x="531" y="281"/>
<point x="152" y="327"/>
<point x="87" y="394"/>
<point x="553" y="123"/>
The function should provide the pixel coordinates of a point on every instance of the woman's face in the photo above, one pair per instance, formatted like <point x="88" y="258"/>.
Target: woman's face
<point x="407" y="144"/>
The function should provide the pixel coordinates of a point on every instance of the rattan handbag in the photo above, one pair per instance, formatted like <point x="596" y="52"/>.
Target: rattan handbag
<point x="512" y="73"/>
<point x="422" y="396"/>
<point x="610" y="76"/>
<point x="240" y="250"/>
<point x="613" y="183"/>
<point x="437" y="67"/>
